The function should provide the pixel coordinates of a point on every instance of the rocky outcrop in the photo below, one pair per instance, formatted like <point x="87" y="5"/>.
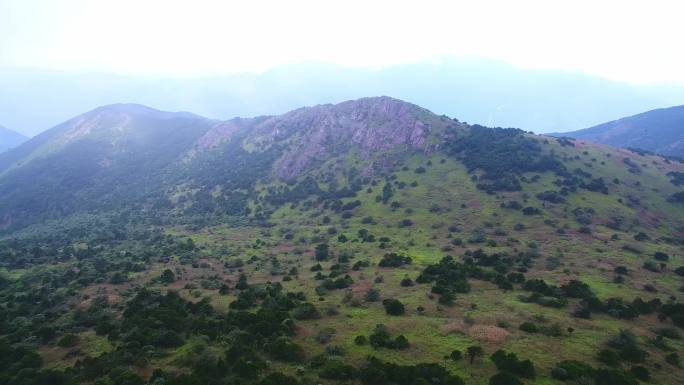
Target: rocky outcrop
<point x="218" y="134"/>
<point x="370" y="124"/>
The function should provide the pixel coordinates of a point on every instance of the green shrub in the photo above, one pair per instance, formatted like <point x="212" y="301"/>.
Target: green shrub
<point x="68" y="340"/>
<point x="504" y="378"/>
<point x="529" y="327"/>
<point x="393" y="307"/>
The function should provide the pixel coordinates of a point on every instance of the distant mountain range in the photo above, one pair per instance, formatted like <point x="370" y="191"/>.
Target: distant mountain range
<point x="660" y="131"/>
<point x="10" y="139"/>
<point x="479" y="91"/>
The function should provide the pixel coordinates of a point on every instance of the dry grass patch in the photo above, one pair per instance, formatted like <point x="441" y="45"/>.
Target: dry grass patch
<point x="480" y="332"/>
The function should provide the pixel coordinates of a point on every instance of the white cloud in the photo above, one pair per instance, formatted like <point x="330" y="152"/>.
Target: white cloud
<point x="635" y="41"/>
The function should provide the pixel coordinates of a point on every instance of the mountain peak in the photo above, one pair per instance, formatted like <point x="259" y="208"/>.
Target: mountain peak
<point x="375" y="106"/>
<point x="133" y="123"/>
<point x="370" y="124"/>
<point x="377" y="101"/>
<point x="142" y="110"/>
<point x="118" y="117"/>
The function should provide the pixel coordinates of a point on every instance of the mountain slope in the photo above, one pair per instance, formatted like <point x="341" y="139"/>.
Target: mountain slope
<point x="660" y="131"/>
<point x="367" y="242"/>
<point x="316" y="133"/>
<point x="95" y="160"/>
<point x="129" y="155"/>
<point x="9" y="139"/>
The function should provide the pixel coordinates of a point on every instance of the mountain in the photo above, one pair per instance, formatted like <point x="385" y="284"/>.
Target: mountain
<point x="365" y="242"/>
<point x="475" y="90"/>
<point x="119" y="154"/>
<point x="108" y="154"/>
<point x="660" y="131"/>
<point x="9" y="139"/>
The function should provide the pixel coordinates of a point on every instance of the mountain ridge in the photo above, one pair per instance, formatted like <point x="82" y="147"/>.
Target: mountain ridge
<point x="109" y="117"/>
<point x="660" y="131"/>
<point x="101" y="147"/>
<point x="10" y="139"/>
<point x="474" y="90"/>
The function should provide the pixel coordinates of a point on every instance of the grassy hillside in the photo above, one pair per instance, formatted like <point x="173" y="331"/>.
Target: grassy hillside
<point x="462" y="254"/>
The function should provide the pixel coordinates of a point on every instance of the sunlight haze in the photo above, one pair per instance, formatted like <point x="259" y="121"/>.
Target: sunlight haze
<point x="621" y="40"/>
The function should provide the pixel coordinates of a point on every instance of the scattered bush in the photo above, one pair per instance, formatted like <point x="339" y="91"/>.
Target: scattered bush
<point x="394" y="260"/>
<point x="393" y="307"/>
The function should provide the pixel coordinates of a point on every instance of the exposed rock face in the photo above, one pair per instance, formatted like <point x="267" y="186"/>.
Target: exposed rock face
<point x="218" y="134"/>
<point x="371" y="124"/>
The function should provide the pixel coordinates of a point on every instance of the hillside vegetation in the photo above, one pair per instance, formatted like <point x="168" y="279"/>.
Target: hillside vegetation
<point x="369" y="242"/>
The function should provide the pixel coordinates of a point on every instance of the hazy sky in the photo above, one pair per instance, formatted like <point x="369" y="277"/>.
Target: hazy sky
<point x="635" y="41"/>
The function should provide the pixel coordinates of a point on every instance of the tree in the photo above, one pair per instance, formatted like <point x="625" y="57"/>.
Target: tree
<point x="529" y="327"/>
<point x="224" y="289"/>
<point x="456" y="355"/>
<point x="509" y="362"/>
<point x="284" y="349"/>
<point x="475" y="351"/>
<point x="680" y="271"/>
<point x="381" y="338"/>
<point x="322" y="252"/>
<point x="372" y="295"/>
<point x="613" y="377"/>
<point x="572" y="370"/>
<point x="68" y="340"/>
<point x="242" y="283"/>
<point x="279" y="379"/>
<point x="305" y="311"/>
<point x="335" y="370"/>
<point x="531" y="211"/>
<point x="640" y="372"/>
<point x="504" y="378"/>
<point x="447" y="298"/>
<point x="608" y="357"/>
<point x="393" y="307"/>
<point x="118" y="278"/>
<point x="167" y="277"/>
<point x="400" y="343"/>
<point x="673" y="359"/>
<point x="659" y="255"/>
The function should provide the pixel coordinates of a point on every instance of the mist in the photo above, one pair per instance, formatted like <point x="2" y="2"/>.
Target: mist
<point x="475" y="90"/>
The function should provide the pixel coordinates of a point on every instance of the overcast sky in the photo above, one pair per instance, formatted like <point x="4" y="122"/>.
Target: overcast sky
<point x="634" y="41"/>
